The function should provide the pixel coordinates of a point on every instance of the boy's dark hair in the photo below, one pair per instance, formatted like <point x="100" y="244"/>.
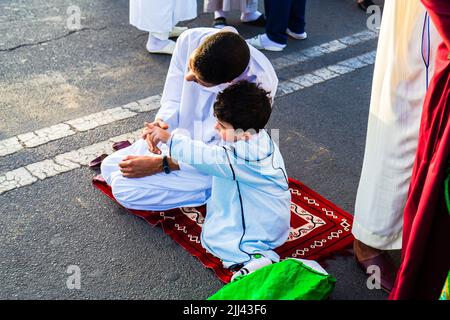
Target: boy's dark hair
<point x="244" y="105"/>
<point x="221" y="58"/>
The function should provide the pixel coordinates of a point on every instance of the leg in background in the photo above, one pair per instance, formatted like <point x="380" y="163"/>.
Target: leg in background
<point x="278" y="14"/>
<point x="296" y="25"/>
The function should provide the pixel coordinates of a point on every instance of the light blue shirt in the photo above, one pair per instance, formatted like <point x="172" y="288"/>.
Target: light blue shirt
<point x="249" y="208"/>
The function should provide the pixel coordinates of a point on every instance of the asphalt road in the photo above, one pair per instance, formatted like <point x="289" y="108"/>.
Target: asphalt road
<point x="49" y="74"/>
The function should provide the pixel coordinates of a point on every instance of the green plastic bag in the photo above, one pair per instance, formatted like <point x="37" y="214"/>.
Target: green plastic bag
<point x="445" y="295"/>
<point x="446" y="291"/>
<point x="289" y="279"/>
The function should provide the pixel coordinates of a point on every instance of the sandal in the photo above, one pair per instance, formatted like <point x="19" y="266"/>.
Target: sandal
<point x="388" y="270"/>
<point x="94" y="164"/>
<point x="99" y="178"/>
<point x="219" y="23"/>
<point x="120" y="145"/>
<point x="365" y="4"/>
<point x="260" y="22"/>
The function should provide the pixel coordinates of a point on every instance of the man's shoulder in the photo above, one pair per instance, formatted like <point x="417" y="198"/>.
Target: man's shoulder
<point x="262" y="68"/>
<point x="196" y="34"/>
<point x="258" y="56"/>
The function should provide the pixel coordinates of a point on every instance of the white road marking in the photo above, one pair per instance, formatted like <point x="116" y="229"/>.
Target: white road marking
<point x="71" y="160"/>
<point x="324" y="74"/>
<point x="68" y="128"/>
<point x="325" y="48"/>
<point x="42" y="136"/>
<point x="38" y="137"/>
<point x="65" y="162"/>
<point x="9" y="146"/>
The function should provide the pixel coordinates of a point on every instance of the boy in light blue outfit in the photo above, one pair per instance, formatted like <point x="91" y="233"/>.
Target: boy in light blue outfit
<point x="248" y="213"/>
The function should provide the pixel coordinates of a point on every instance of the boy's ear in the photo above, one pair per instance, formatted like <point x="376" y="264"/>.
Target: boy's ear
<point x="246" y="136"/>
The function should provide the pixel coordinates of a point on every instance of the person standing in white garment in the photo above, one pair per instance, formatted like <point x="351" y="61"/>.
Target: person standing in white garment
<point x="249" y="12"/>
<point x="204" y="63"/>
<point x="159" y="19"/>
<point x="404" y="63"/>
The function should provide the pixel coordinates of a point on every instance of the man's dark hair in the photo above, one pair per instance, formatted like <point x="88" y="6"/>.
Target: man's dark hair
<point x="244" y="105"/>
<point x="221" y="58"/>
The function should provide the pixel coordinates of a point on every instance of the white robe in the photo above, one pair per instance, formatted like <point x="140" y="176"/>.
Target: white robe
<point x="249" y="209"/>
<point x="160" y="16"/>
<point x="185" y="106"/>
<point x="245" y="6"/>
<point x="398" y="91"/>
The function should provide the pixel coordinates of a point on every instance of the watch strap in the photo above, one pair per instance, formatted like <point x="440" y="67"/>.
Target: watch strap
<point x="165" y="164"/>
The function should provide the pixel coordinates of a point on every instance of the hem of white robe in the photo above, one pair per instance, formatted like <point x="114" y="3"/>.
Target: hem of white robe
<point x="270" y="254"/>
<point x="393" y="242"/>
<point x="209" y="7"/>
<point x="152" y="31"/>
<point x="163" y="207"/>
<point x="174" y="23"/>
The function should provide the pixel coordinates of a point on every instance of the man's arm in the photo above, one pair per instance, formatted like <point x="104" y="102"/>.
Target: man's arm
<point x="171" y="97"/>
<point x="167" y="115"/>
<point x="143" y="166"/>
<point x="173" y="164"/>
<point x="210" y="160"/>
<point x="151" y="145"/>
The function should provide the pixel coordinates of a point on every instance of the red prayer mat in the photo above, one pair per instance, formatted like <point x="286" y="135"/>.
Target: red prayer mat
<point x="318" y="227"/>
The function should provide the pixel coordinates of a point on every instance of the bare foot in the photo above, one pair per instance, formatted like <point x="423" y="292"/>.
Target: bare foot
<point x="363" y="251"/>
<point x="367" y="256"/>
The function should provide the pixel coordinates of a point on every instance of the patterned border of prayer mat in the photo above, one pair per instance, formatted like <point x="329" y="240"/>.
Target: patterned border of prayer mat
<point x="319" y="228"/>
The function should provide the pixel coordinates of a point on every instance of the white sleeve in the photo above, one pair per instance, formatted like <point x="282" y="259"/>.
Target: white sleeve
<point x="211" y="160"/>
<point x="171" y="97"/>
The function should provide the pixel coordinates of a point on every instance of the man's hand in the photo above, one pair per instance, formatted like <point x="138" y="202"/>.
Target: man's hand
<point x="140" y="166"/>
<point x="158" y="123"/>
<point x="143" y="166"/>
<point x="156" y="135"/>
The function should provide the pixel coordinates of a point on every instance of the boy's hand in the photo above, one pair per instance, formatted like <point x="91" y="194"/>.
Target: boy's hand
<point x="155" y="135"/>
<point x="157" y="123"/>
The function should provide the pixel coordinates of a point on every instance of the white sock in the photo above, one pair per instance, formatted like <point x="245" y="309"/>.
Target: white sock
<point x="219" y="14"/>
<point x="299" y="36"/>
<point x="176" y="28"/>
<point x="154" y="43"/>
<point x="266" y="42"/>
<point x="250" y="16"/>
<point x="251" y="266"/>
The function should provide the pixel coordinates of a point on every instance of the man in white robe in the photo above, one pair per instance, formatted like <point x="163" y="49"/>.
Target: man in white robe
<point x="406" y="46"/>
<point x="158" y="18"/>
<point x="134" y="173"/>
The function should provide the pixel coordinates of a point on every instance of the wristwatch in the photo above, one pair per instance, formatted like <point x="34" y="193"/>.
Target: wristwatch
<point x="165" y="164"/>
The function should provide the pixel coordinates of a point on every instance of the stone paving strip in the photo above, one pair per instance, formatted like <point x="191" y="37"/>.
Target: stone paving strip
<point x="61" y="163"/>
<point x="71" y="160"/>
<point x="323" y="49"/>
<point x="327" y="73"/>
<point x="68" y="128"/>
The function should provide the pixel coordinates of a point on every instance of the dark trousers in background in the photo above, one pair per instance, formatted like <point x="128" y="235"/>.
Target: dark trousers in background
<point x="283" y="14"/>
